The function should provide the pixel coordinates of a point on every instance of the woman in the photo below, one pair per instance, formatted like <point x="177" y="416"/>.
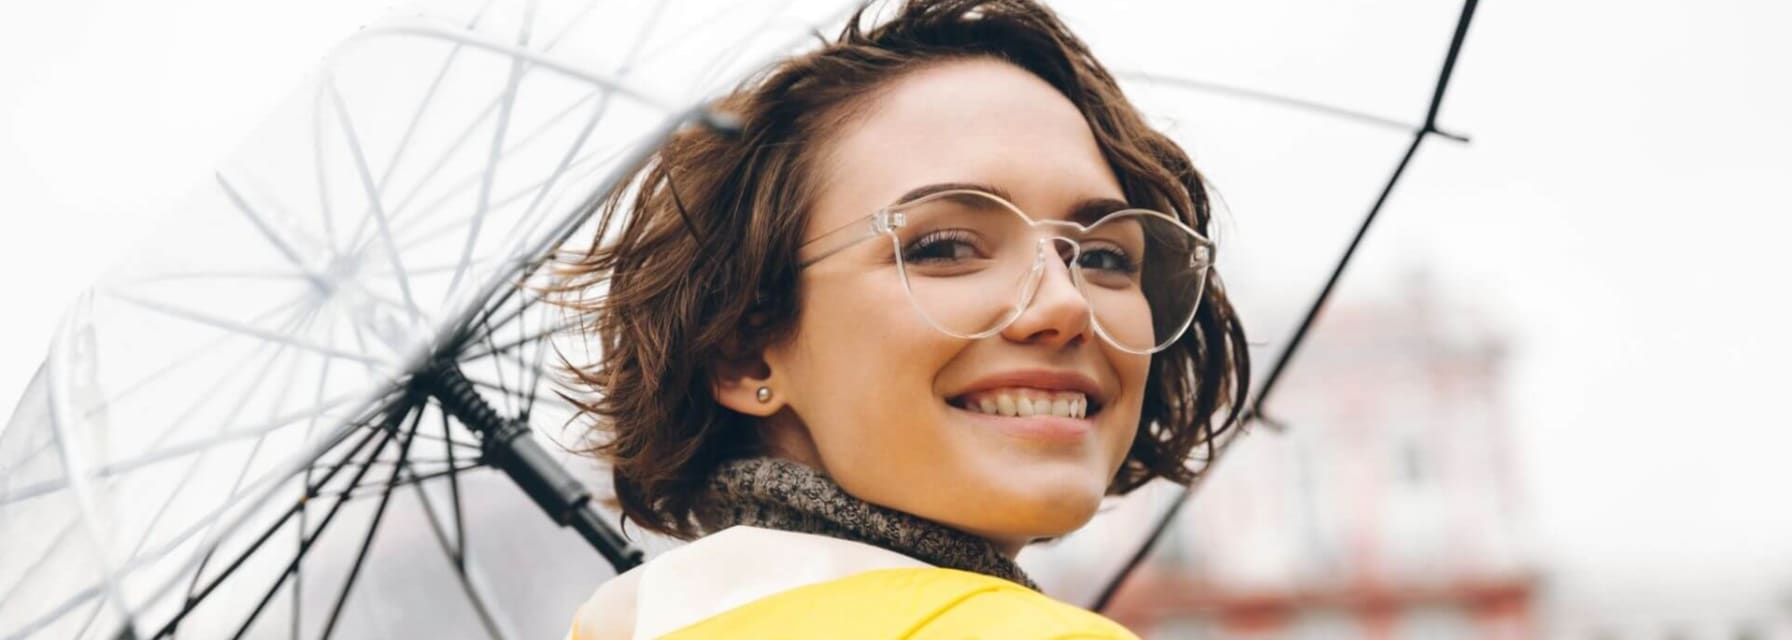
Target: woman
<point x="939" y="294"/>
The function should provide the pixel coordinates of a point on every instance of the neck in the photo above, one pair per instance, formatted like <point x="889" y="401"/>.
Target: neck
<point x="1009" y="549"/>
<point x="781" y="494"/>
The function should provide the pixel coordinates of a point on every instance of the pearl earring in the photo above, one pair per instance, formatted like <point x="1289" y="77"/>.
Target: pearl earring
<point x="764" y="394"/>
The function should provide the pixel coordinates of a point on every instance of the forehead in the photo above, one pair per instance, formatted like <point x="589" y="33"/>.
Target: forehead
<point x="977" y="121"/>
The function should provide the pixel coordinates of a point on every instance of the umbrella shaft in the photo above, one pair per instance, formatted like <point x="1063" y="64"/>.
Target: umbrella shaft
<point x="509" y="445"/>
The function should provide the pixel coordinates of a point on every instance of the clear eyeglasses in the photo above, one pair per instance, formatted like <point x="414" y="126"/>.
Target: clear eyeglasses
<point x="972" y="262"/>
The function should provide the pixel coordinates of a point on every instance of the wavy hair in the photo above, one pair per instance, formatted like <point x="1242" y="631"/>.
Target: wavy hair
<point x="695" y="259"/>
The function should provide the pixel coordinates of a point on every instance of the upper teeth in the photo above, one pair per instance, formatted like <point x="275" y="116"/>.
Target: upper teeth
<point x="1029" y="402"/>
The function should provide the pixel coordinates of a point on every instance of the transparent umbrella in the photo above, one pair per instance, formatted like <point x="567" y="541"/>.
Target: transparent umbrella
<point x="281" y="415"/>
<point x="1303" y="117"/>
<point x="306" y="405"/>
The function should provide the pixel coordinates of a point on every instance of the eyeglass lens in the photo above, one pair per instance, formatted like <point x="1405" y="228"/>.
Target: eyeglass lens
<point x="971" y="261"/>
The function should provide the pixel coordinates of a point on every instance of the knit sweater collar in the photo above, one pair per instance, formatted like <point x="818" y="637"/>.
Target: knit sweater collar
<point x="779" y="494"/>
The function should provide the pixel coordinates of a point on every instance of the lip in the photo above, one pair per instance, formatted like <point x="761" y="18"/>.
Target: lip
<point x="1041" y="379"/>
<point x="1040" y="428"/>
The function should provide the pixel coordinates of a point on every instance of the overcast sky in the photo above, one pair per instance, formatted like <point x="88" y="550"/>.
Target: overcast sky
<point x="1622" y="209"/>
<point x="1629" y="176"/>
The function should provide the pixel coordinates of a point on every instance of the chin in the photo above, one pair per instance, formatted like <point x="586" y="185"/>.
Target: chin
<point x="1037" y="505"/>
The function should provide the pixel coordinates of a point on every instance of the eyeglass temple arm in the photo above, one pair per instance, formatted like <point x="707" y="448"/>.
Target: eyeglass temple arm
<point x="843" y="237"/>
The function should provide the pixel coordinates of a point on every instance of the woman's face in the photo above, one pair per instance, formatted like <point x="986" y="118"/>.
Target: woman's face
<point x="888" y="406"/>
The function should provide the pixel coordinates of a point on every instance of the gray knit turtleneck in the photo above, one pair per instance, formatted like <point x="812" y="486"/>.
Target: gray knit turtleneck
<point x="779" y="494"/>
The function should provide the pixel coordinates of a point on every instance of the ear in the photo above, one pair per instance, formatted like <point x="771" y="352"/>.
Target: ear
<point x="736" y="384"/>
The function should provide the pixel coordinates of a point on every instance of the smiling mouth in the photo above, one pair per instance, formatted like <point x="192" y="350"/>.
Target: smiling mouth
<point x="1026" y="402"/>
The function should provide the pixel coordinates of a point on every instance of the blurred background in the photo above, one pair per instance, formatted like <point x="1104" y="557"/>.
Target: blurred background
<point x="1547" y="400"/>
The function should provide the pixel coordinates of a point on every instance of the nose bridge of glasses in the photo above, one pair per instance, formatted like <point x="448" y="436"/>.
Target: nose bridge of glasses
<point x="1062" y="230"/>
<point x="1067" y="251"/>
<point x="1067" y="248"/>
<point x="1063" y="235"/>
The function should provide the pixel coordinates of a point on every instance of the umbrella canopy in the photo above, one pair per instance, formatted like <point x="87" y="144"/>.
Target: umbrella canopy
<point x="1304" y="140"/>
<point x="259" y="423"/>
<point x="230" y="434"/>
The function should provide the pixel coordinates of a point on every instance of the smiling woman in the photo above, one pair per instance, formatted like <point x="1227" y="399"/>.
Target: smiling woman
<point x="939" y="294"/>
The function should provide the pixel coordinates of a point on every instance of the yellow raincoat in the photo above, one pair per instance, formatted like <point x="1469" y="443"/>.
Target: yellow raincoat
<point x="920" y="604"/>
<point x="748" y="582"/>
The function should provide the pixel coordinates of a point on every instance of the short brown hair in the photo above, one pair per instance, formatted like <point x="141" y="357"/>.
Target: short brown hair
<point x="695" y="259"/>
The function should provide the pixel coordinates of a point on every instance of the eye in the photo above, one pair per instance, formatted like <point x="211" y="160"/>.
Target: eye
<point x="1110" y="260"/>
<point x="941" y="247"/>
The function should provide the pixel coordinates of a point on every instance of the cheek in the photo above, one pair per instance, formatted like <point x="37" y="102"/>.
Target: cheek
<point x="1134" y="371"/>
<point x="865" y="363"/>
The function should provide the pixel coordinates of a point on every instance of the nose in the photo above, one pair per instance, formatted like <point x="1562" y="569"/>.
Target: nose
<point x="1057" y="314"/>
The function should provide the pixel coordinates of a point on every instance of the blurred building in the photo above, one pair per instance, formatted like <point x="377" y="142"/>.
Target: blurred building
<point x="1386" y="508"/>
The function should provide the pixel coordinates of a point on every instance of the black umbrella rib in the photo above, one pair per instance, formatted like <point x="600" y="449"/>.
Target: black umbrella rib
<point x="1306" y="323"/>
<point x="388" y="429"/>
<point x="1443" y="77"/>
<point x="455" y="551"/>
<point x="493" y="348"/>
<point x="1255" y="412"/>
<point x="541" y="354"/>
<point x="373" y="528"/>
<point x="460" y="526"/>
<point x="503" y="385"/>
<point x="47" y="554"/>
<point x="496" y="294"/>
<point x="94" y="591"/>
<point x="192" y="601"/>
<point x="413" y="477"/>
<point x="235" y="411"/>
<point x="1418" y="138"/>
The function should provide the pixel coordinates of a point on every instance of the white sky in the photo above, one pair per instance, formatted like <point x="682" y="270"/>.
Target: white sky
<point x="1628" y="186"/>
<point x="1622" y="208"/>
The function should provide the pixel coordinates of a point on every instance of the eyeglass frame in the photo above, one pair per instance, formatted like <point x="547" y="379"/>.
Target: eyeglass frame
<point x="886" y="220"/>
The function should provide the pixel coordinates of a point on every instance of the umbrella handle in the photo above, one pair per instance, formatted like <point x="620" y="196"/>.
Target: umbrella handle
<point x="508" y="445"/>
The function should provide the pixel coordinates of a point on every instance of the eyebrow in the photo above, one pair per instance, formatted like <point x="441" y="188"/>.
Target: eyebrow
<point x="1085" y="211"/>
